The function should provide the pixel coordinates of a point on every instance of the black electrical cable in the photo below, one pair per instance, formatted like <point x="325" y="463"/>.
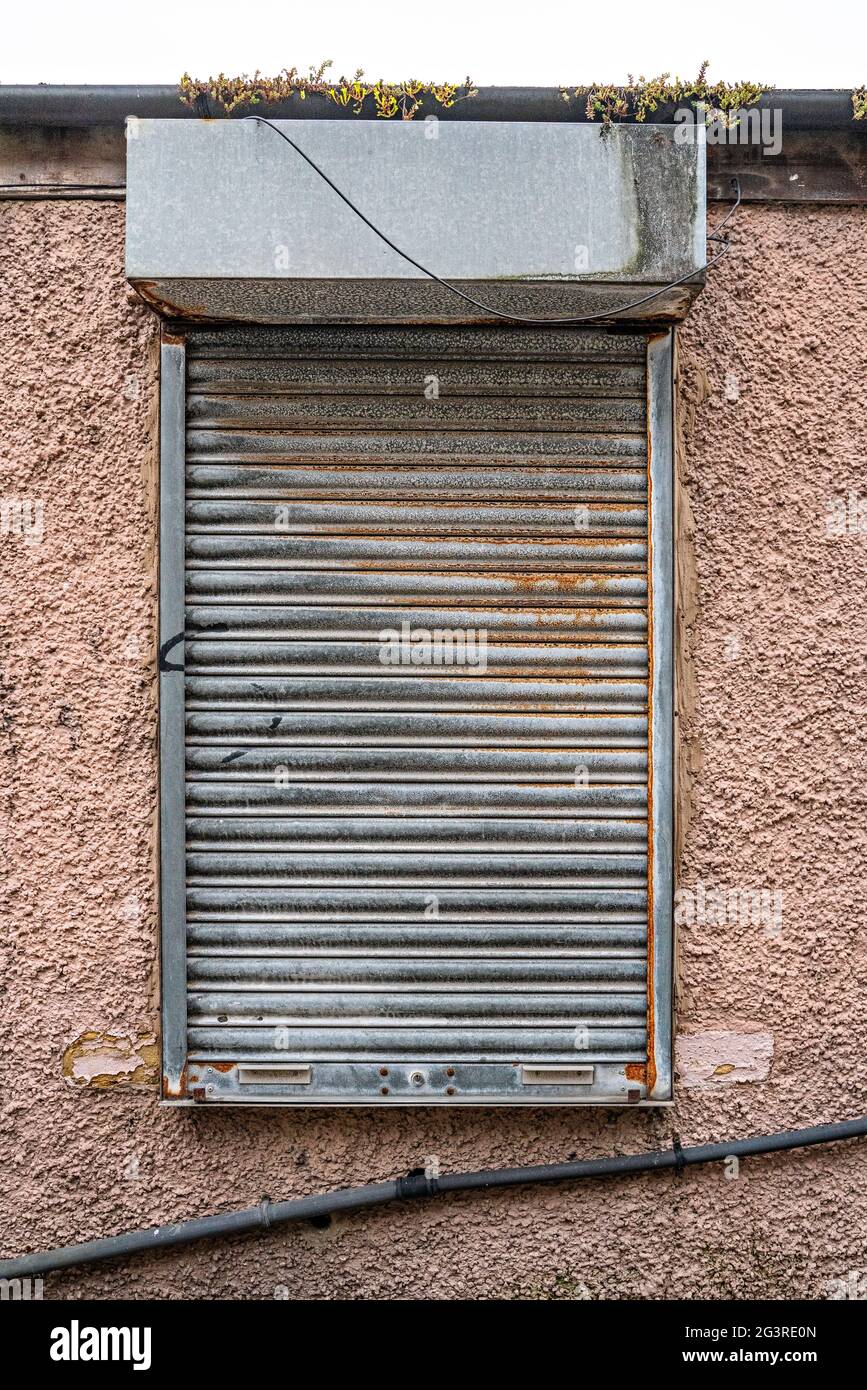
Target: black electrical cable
<point x="715" y="234"/>
<point x="477" y="303"/>
<point x="326" y="1204"/>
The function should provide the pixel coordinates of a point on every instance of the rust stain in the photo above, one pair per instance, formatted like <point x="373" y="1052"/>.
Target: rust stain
<point x="636" y="1071"/>
<point x="170" y="1093"/>
<point x="152" y="296"/>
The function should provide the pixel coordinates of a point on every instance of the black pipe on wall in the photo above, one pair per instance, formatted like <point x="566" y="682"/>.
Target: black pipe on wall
<point x="269" y="1214"/>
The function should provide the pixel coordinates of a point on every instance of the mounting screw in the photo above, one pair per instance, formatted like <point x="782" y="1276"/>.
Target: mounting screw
<point x="383" y="1071"/>
<point x="416" y="1078"/>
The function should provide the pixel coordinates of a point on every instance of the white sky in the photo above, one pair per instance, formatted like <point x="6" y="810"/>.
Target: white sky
<point x="789" y="43"/>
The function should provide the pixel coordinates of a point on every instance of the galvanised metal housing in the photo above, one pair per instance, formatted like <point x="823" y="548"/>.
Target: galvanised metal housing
<point x="226" y="221"/>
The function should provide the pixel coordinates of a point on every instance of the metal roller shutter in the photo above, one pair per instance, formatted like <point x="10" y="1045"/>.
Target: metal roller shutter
<point x="405" y="660"/>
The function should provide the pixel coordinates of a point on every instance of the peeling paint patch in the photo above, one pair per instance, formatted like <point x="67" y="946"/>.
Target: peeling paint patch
<point x="106" y="1059"/>
<point x="721" y="1057"/>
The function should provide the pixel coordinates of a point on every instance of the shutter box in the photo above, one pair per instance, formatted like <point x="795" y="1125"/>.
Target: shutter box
<point x="226" y="221"/>
<point x="416" y="715"/>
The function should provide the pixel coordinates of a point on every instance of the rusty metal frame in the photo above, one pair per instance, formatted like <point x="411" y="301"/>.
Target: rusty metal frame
<point x="656" y="1083"/>
<point x="660" y="777"/>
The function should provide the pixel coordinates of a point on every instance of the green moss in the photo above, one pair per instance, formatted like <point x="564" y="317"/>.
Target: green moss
<point x="859" y="103"/>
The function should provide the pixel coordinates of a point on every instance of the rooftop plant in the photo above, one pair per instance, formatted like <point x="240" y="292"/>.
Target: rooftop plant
<point x="388" y="99"/>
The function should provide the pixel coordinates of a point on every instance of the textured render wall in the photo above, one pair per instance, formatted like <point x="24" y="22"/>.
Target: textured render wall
<point x="772" y="1023"/>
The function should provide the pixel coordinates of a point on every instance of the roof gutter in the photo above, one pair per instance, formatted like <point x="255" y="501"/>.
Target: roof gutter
<point x="65" y="106"/>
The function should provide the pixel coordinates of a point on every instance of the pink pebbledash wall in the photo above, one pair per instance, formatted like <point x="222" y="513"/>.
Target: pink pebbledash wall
<point x="771" y="1018"/>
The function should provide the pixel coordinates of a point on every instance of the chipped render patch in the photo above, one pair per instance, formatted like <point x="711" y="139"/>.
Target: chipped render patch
<point x="105" y="1059"/>
<point x="720" y="1057"/>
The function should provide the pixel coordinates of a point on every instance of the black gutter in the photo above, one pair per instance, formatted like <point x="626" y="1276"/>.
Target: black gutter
<point x="45" y="105"/>
<point x="269" y="1214"/>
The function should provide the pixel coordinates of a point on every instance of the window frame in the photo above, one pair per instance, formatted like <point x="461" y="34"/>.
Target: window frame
<point x="661" y="745"/>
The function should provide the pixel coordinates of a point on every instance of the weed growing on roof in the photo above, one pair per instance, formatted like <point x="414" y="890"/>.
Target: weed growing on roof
<point x="388" y="99"/>
<point x="641" y="96"/>
<point x="638" y="99"/>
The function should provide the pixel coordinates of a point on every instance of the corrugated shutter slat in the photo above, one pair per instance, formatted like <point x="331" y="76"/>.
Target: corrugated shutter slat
<point x="430" y="859"/>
